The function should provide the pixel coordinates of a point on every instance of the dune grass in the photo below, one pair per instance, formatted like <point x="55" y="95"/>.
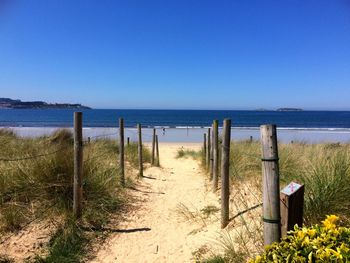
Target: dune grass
<point x="232" y="253"/>
<point x="43" y="187"/>
<point x="325" y="171"/>
<point x="132" y="154"/>
<point x="184" y="153"/>
<point x="66" y="245"/>
<point x="323" y="168"/>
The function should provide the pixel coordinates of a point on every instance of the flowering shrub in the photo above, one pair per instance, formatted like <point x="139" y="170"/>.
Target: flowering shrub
<point x="325" y="243"/>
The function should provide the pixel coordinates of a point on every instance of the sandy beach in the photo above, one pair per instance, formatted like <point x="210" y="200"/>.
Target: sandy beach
<point x="164" y="223"/>
<point x="161" y="233"/>
<point x="167" y="223"/>
<point x="195" y="135"/>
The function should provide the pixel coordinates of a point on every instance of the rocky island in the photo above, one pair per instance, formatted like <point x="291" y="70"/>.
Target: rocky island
<point x="289" y="109"/>
<point x="6" y="103"/>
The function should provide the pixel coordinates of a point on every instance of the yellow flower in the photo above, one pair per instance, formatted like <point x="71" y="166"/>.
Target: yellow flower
<point x="301" y="234"/>
<point x="258" y="259"/>
<point x="310" y="257"/>
<point x="329" y="222"/>
<point x="344" y="248"/>
<point x="328" y="243"/>
<point x="311" y="232"/>
<point x="306" y="241"/>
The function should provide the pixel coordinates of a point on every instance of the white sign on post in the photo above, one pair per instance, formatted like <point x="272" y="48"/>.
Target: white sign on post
<point x="291" y="188"/>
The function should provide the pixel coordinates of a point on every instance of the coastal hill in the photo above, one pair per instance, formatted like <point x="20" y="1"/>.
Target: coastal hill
<point x="280" y="109"/>
<point x="289" y="109"/>
<point x="6" y="103"/>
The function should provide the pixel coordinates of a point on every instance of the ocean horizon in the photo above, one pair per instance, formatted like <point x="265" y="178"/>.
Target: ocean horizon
<point x="184" y="125"/>
<point x="176" y="118"/>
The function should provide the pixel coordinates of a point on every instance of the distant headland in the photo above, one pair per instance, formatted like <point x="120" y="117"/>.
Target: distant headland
<point x="6" y="103"/>
<point x="280" y="109"/>
<point x="289" y="109"/>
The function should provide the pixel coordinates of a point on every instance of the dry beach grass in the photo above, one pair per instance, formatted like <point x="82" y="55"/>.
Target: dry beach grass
<point x="170" y="215"/>
<point x="34" y="191"/>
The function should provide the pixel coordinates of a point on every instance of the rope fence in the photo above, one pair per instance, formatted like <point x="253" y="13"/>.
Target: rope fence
<point x="33" y="156"/>
<point x="79" y="159"/>
<point x="260" y="210"/>
<point x="257" y="214"/>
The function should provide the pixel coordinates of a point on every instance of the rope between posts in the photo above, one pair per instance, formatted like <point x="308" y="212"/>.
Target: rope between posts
<point x="104" y="135"/>
<point x="51" y="153"/>
<point x="117" y="133"/>
<point x="33" y="156"/>
<point x="243" y="153"/>
<point x="136" y="133"/>
<point x="246" y="210"/>
<point x="253" y="194"/>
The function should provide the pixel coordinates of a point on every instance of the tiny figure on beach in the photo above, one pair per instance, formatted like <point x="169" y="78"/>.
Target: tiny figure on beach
<point x="163" y="131"/>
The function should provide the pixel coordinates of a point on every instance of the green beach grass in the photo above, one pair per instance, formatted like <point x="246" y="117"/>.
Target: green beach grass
<point x="42" y="188"/>
<point x="323" y="168"/>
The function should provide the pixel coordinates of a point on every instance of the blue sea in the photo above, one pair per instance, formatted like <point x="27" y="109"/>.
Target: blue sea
<point x="175" y="118"/>
<point x="184" y="125"/>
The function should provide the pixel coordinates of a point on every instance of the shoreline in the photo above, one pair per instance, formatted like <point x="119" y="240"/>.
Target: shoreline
<point x="338" y="129"/>
<point x="195" y="135"/>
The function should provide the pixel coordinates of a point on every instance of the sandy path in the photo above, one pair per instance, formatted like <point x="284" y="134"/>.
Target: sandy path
<point x="29" y="241"/>
<point x="161" y="233"/>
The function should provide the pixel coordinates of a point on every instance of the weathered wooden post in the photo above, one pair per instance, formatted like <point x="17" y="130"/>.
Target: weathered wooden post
<point x="211" y="163"/>
<point x="78" y="164"/>
<point x="128" y="141"/>
<point x="292" y="207"/>
<point x="205" y="148"/>
<point x="139" y="149"/>
<point x="121" y="151"/>
<point x="225" y="169"/>
<point x="208" y="150"/>
<point x="271" y="186"/>
<point x="157" y="151"/>
<point x="215" y="155"/>
<point x="153" y="145"/>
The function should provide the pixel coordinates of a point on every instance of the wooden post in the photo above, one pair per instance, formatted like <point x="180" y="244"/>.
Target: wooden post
<point x="292" y="207"/>
<point x="78" y="164"/>
<point x="204" y="147"/>
<point x="128" y="141"/>
<point x="271" y="186"/>
<point x="215" y="155"/>
<point x="121" y="151"/>
<point x="208" y="151"/>
<point x="139" y="149"/>
<point x="211" y="153"/>
<point x="153" y="146"/>
<point x="157" y="151"/>
<point x="225" y="168"/>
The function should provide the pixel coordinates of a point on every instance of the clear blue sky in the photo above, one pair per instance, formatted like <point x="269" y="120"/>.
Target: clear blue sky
<point x="180" y="54"/>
